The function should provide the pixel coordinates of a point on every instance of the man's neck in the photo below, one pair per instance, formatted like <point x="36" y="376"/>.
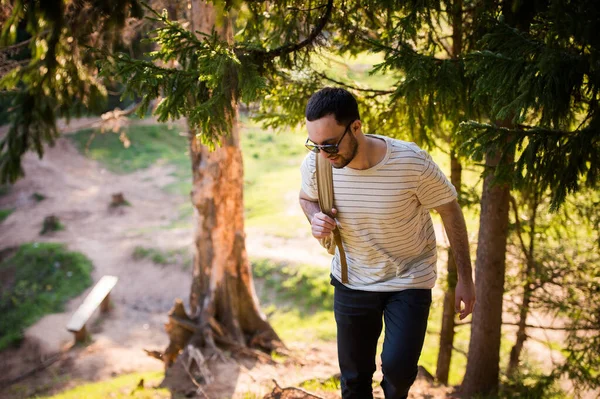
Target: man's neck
<point x="371" y="150"/>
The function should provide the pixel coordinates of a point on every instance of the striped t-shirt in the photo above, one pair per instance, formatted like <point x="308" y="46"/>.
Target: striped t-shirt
<point x="384" y="219"/>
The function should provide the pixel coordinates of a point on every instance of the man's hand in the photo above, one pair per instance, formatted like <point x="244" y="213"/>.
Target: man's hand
<point x="464" y="298"/>
<point x="322" y="225"/>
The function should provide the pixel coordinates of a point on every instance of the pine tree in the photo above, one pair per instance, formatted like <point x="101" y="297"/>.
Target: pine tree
<point x="536" y="69"/>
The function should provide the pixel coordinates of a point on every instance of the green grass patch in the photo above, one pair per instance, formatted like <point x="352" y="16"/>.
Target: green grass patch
<point x="37" y="197"/>
<point x="4" y="213"/>
<point x="121" y="387"/>
<point x="331" y="384"/>
<point x="159" y="257"/>
<point x="297" y="298"/>
<point x="149" y="145"/>
<point x="38" y="279"/>
<point x="272" y="180"/>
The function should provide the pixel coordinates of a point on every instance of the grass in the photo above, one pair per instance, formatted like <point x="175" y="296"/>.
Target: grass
<point x="37" y="197"/>
<point x="159" y="257"/>
<point x="332" y="384"/>
<point x="4" y="213"/>
<point x="122" y="387"/>
<point x="149" y="145"/>
<point x="272" y="180"/>
<point x="38" y="280"/>
<point x="297" y="298"/>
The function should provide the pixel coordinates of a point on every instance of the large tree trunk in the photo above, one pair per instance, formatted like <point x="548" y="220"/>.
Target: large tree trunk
<point x="448" y="316"/>
<point x="224" y="305"/>
<point x="483" y="364"/>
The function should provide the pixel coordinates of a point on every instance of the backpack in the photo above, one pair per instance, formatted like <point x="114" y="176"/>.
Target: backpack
<point x="325" y="192"/>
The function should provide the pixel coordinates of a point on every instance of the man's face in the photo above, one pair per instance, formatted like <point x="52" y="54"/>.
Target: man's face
<point x="326" y="131"/>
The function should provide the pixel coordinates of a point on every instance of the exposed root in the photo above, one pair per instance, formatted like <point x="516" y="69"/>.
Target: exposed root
<point x="290" y="393"/>
<point x="235" y="347"/>
<point x="194" y="356"/>
<point x="178" y="334"/>
<point x="155" y="354"/>
<point x="182" y="329"/>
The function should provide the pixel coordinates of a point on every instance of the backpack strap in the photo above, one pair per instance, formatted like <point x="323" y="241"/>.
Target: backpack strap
<point x="325" y="191"/>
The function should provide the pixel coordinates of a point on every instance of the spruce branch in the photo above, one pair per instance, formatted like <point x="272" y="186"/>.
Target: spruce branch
<point x="294" y="47"/>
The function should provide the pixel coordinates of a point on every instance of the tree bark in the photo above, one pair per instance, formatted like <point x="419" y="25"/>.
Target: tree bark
<point x="224" y="305"/>
<point x="483" y="362"/>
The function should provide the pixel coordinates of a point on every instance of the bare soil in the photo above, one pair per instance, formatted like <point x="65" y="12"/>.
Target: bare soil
<point x="78" y="191"/>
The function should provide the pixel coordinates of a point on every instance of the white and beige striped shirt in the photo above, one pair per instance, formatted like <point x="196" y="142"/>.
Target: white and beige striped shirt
<point x="383" y="211"/>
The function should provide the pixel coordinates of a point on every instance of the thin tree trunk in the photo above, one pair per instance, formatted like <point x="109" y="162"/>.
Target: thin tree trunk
<point x="448" y="315"/>
<point x="529" y="274"/>
<point x="224" y="305"/>
<point x="483" y="362"/>
<point x="515" y="352"/>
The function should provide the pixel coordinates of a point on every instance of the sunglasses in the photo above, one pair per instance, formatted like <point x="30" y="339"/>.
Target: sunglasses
<point x="328" y="148"/>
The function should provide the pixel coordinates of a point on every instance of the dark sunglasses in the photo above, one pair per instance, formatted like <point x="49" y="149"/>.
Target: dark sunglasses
<point x="328" y="148"/>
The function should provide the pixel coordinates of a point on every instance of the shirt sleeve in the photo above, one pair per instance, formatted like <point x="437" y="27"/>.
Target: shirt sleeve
<point x="433" y="189"/>
<point x="309" y="176"/>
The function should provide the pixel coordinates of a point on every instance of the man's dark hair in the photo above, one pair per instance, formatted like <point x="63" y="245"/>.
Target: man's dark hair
<point x="332" y="100"/>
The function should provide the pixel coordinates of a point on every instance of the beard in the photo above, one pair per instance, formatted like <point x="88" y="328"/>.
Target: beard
<point x="341" y="160"/>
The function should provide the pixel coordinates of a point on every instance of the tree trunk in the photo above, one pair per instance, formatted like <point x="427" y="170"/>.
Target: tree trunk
<point x="515" y="352"/>
<point x="224" y="305"/>
<point x="448" y="315"/>
<point x="447" y="332"/>
<point x="529" y="277"/>
<point x="483" y="362"/>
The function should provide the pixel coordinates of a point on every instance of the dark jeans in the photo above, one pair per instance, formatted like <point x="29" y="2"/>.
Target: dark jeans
<point x="358" y="315"/>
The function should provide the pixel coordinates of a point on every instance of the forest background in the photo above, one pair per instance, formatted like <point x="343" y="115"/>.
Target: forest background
<point x="503" y="93"/>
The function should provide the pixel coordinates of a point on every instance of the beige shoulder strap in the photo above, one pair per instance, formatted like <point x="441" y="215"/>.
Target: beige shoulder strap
<point x="325" y="191"/>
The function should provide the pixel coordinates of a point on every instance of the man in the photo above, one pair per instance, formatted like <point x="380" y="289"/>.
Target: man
<point x="383" y="191"/>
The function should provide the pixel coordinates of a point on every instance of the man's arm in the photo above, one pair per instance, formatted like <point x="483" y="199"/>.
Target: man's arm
<point x="322" y="225"/>
<point x="454" y="223"/>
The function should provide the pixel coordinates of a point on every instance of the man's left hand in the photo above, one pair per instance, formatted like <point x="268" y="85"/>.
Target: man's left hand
<point x="464" y="297"/>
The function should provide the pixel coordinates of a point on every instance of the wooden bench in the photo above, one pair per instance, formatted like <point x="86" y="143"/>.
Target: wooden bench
<point x="99" y="296"/>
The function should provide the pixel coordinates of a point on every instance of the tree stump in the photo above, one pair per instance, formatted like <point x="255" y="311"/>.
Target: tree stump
<point x="118" y="199"/>
<point x="51" y="223"/>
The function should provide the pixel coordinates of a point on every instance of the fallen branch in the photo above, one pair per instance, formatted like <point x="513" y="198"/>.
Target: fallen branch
<point x="278" y="391"/>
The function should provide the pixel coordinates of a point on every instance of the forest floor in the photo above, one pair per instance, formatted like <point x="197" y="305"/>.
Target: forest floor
<point x="78" y="190"/>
